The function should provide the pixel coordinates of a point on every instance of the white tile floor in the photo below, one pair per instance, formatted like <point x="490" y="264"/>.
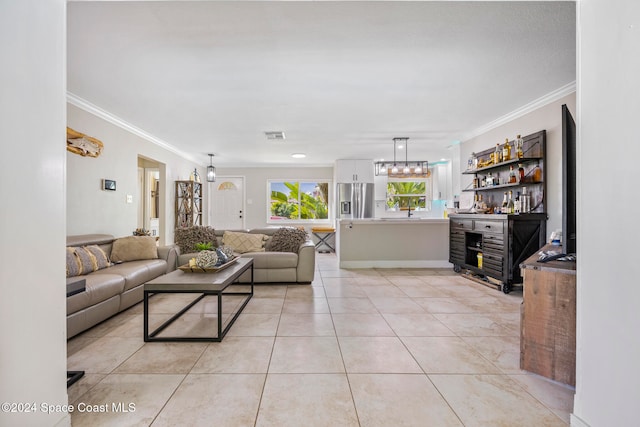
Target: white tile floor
<point x="411" y="347"/>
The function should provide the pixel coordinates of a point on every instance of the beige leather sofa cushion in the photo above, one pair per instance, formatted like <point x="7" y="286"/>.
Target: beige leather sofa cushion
<point x="273" y="259"/>
<point x="136" y="273"/>
<point x="98" y="289"/>
<point x="133" y="248"/>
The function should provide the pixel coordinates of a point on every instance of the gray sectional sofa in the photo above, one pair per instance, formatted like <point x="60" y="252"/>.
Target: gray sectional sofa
<point x="272" y="266"/>
<point x="113" y="289"/>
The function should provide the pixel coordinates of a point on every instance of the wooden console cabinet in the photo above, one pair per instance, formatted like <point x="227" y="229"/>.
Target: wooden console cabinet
<point x="548" y="319"/>
<point x="503" y="241"/>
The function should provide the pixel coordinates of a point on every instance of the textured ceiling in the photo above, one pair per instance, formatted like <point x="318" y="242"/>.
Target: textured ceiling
<point x="341" y="79"/>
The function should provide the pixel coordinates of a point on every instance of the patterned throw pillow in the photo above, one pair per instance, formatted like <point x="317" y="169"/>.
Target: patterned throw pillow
<point x="287" y="239"/>
<point x="244" y="242"/>
<point x="102" y="260"/>
<point x="86" y="259"/>
<point x="73" y="264"/>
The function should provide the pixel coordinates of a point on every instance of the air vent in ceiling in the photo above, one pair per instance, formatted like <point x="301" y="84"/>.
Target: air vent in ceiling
<point x="275" y="136"/>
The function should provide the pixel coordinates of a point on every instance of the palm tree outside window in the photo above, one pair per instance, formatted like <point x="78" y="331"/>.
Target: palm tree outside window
<point x="405" y="194"/>
<point x="298" y="200"/>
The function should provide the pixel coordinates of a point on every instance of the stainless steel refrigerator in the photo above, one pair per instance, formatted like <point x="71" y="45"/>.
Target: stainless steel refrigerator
<point x="355" y="200"/>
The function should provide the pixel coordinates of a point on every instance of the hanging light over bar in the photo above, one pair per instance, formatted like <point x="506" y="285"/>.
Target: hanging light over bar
<point x="406" y="169"/>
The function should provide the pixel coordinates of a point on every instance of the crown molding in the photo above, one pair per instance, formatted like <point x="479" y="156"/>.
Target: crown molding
<point x="85" y="105"/>
<point x="526" y="109"/>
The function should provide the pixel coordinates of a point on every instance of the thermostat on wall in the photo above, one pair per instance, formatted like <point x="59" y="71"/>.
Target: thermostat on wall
<point x="108" y="184"/>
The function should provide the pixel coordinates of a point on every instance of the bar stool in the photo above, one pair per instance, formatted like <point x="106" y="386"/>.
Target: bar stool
<point x="324" y="234"/>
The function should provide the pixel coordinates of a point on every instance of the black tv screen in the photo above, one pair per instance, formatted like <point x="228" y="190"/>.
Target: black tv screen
<point x="568" y="181"/>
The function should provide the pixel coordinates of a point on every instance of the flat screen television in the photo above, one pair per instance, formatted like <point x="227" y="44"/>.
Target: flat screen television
<point x="568" y="181"/>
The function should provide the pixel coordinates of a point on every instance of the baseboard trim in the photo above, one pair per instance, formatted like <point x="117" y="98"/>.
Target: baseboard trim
<point x="577" y="422"/>
<point x="395" y="264"/>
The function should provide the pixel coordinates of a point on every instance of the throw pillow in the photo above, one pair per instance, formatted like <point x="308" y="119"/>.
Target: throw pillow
<point x="133" y="248"/>
<point x="187" y="237"/>
<point x="73" y="264"/>
<point x="102" y="260"/>
<point x="244" y="242"/>
<point x="86" y="259"/>
<point x="287" y="239"/>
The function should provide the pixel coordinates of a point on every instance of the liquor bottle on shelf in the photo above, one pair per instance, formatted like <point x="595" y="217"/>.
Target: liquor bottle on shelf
<point x="519" y="146"/>
<point x="521" y="172"/>
<point x="505" y="204"/>
<point x="516" y="203"/>
<point x="512" y="175"/>
<point x="506" y="150"/>
<point x="524" y="201"/>
<point x="489" y="180"/>
<point x="497" y="155"/>
<point x="537" y="174"/>
<point x="510" y="205"/>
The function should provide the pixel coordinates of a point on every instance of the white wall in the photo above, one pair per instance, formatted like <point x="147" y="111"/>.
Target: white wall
<point x="608" y="348"/>
<point x="32" y="275"/>
<point x="256" y="187"/>
<point x="92" y="210"/>
<point x="549" y="118"/>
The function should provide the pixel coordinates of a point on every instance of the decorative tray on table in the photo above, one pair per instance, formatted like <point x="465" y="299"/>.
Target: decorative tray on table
<point x="188" y="269"/>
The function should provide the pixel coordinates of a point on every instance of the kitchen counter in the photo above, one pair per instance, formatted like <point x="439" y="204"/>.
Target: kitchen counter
<point x="398" y="220"/>
<point x="393" y="243"/>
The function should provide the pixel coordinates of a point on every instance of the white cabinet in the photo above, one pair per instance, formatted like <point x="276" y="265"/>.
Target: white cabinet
<point x="441" y="178"/>
<point x="349" y="170"/>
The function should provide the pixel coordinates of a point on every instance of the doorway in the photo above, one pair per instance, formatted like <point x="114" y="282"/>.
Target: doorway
<point x="226" y="203"/>
<point x="150" y="202"/>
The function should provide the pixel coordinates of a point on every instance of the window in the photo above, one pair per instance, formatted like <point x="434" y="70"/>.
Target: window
<point x="403" y="194"/>
<point x="298" y="200"/>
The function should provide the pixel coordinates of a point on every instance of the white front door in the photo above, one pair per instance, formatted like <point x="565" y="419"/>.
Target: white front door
<point x="226" y="203"/>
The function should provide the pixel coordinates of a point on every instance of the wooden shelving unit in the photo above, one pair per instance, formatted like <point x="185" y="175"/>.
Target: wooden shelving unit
<point x="504" y="240"/>
<point x="188" y="203"/>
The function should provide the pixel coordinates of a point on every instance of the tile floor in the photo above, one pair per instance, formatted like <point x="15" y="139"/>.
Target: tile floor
<point x="410" y="347"/>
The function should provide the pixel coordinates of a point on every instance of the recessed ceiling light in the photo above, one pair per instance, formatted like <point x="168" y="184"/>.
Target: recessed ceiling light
<point x="298" y="155"/>
<point x="443" y="160"/>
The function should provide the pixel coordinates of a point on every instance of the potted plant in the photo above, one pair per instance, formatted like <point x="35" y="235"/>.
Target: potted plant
<point x="203" y="246"/>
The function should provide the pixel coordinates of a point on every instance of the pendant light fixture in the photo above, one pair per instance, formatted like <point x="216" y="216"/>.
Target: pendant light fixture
<point x="394" y="168"/>
<point x="411" y="169"/>
<point x="211" y="170"/>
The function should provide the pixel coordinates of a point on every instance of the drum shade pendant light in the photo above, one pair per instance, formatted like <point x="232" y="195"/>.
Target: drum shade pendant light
<point x="211" y="170"/>
<point x="410" y="169"/>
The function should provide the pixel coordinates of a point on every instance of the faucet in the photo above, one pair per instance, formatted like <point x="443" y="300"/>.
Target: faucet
<point x="409" y="212"/>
